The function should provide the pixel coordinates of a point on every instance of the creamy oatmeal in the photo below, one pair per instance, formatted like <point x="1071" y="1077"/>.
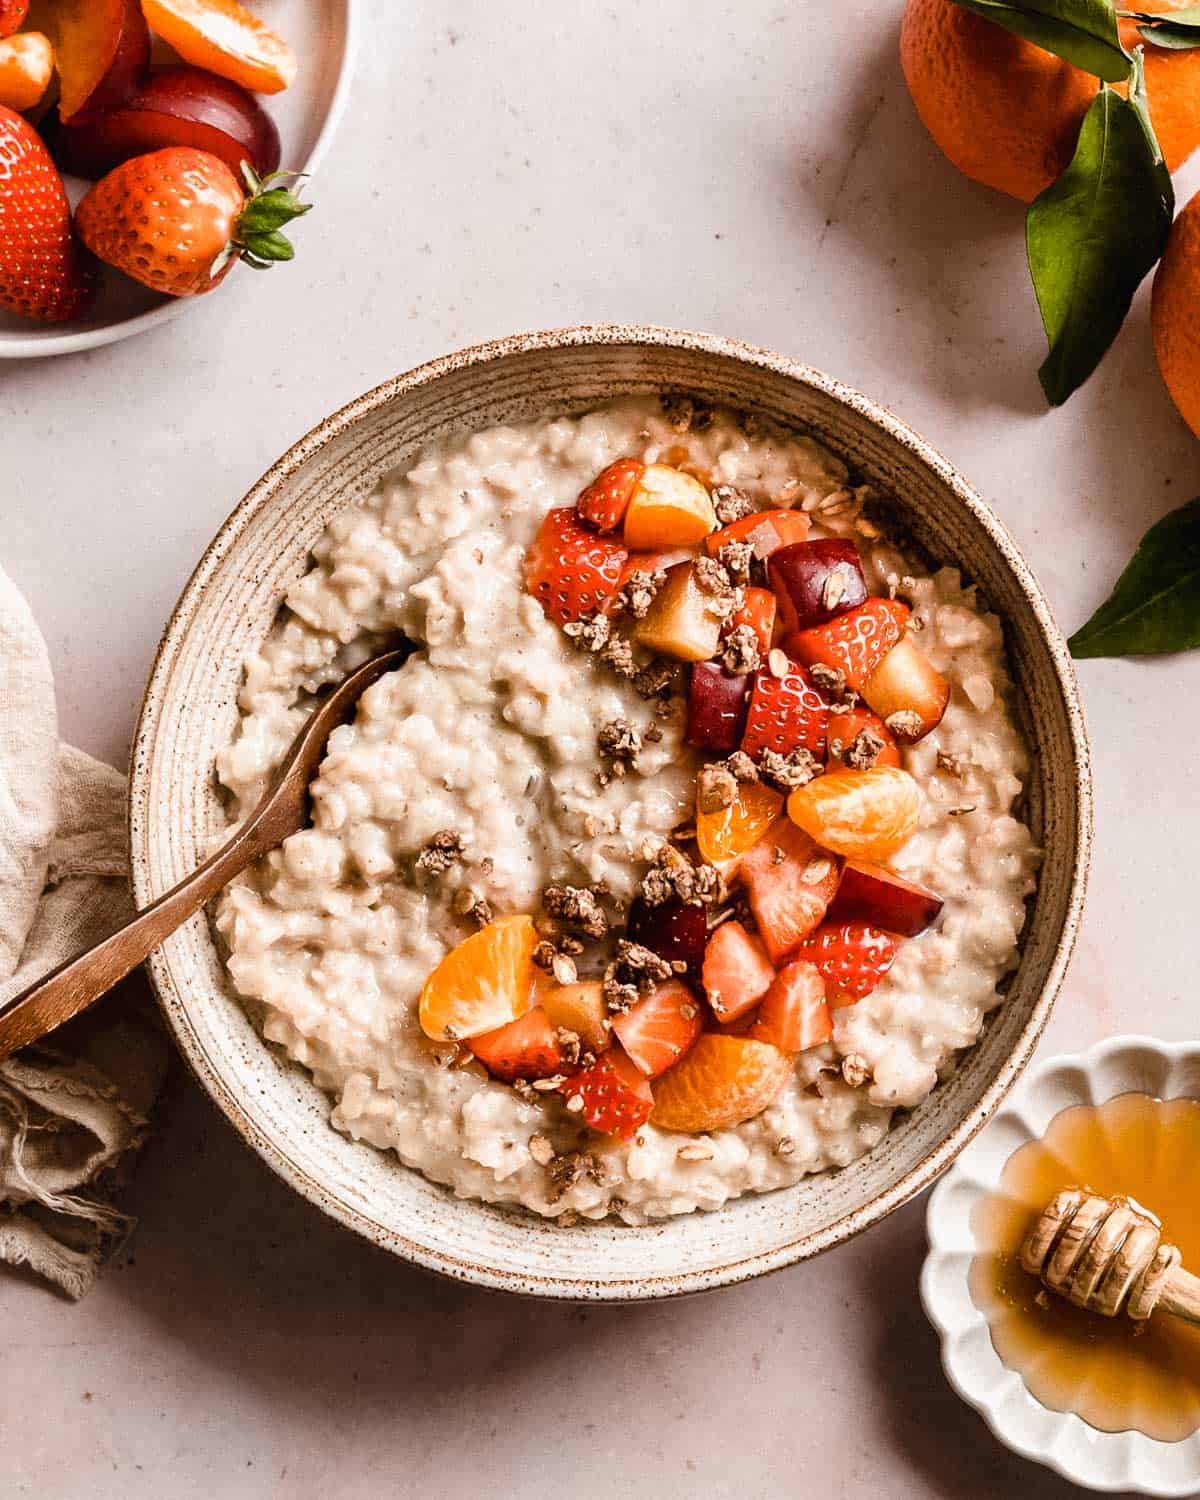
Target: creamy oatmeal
<point x="490" y="733"/>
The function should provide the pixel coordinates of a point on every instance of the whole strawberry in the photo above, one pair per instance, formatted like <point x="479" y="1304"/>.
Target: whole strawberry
<point x="178" y="219"/>
<point x="42" y="273"/>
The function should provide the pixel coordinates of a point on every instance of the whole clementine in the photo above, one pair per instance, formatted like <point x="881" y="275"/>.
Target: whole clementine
<point x="1172" y="86"/>
<point x="1005" y="112"/>
<point x="1175" y="314"/>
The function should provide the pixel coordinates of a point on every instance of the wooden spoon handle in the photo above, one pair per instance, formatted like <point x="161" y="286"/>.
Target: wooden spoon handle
<point x="78" y="983"/>
<point x="1181" y="1296"/>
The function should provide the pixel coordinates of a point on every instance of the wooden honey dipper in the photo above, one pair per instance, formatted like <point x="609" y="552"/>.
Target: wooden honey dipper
<point x="1106" y="1255"/>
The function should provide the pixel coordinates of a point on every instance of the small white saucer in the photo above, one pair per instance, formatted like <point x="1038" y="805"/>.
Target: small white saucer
<point x="1061" y="1440"/>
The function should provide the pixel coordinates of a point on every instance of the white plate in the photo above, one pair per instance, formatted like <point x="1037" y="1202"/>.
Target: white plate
<point x="1061" y="1440"/>
<point x="324" y="35"/>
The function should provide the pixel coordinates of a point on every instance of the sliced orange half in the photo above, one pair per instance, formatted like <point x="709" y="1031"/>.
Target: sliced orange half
<point x="483" y="983"/>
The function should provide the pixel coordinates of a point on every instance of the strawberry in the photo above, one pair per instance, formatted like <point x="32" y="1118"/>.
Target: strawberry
<point x="178" y="219"/>
<point x="737" y="971"/>
<point x="786" y="713"/>
<point x="851" y="957"/>
<point x="12" y="16"/>
<point x="765" y="530"/>
<point x="570" y="570"/>
<point x="854" y="643"/>
<point x="615" y="1098"/>
<point x="42" y="273"/>
<point x="758" y="611"/>
<point x="604" y="502"/>
<point x="658" y="1030"/>
<point x="793" y="1014"/>
<point x="791" y="883"/>
<point x="525" y="1048"/>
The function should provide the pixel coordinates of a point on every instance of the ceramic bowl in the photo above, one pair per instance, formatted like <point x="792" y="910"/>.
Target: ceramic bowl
<point x="324" y="35"/>
<point x="1061" y="1440"/>
<point x="190" y="712"/>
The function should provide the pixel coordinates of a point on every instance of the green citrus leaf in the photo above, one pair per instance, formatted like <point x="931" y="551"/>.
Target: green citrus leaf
<point x="1082" y="31"/>
<point x="1155" y="606"/>
<point x="1178" y="29"/>
<point x="1092" y="236"/>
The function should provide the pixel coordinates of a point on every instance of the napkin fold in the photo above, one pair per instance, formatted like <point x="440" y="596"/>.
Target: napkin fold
<point x="74" y="1107"/>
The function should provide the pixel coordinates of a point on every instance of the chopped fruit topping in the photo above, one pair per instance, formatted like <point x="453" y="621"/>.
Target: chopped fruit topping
<point x="681" y="622"/>
<point x="815" y="582"/>
<point x="667" y="509"/>
<point x="12" y="16"/>
<point x="570" y="570"/>
<point x="673" y="929"/>
<point x="758" y="612"/>
<point x="791" y="883"/>
<point x="851" y="957"/>
<point x="725" y="835"/>
<point x="658" y="1030"/>
<point x="525" y="1048"/>
<point x="854" y="643"/>
<point x="862" y="814"/>
<point x="614" y="1096"/>
<point x="101" y="51"/>
<point x="859" y="739"/>
<point x="722" y="1081"/>
<point x="766" y="531"/>
<point x="482" y="984"/>
<point x="42" y="274"/>
<point x="604" y="502"/>
<point x="793" y="1014"/>
<point x="869" y="893"/>
<point x="26" y="66"/>
<point x="579" y="1008"/>
<point x="907" y="692"/>
<point x="225" y="38"/>
<point x="786" y="713"/>
<point x="737" y="971"/>
<point x="717" y="706"/>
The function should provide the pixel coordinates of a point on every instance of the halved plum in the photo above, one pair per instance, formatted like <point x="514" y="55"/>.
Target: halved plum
<point x="176" y="106"/>
<point x="717" y="705"/>
<point x="871" y="894"/>
<point x="101" y="49"/>
<point x="673" y="930"/>
<point x="816" y="581"/>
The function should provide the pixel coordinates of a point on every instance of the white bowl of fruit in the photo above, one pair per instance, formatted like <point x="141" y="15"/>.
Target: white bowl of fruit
<point x="195" y="104"/>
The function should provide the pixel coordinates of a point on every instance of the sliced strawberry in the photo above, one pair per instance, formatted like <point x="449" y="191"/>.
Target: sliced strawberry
<point x="786" y="713"/>
<point x="765" y="530"/>
<point x="737" y="971"/>
<point x="758" y="611"/>
<point x="604" y="502"/>
<point x="570" y="570"/>
<point x="793" y="1014"/>
<point x="791" y="883"/>
<point x="615" y="1097"/>
<point x="525" y="1048"/>
<point x="854" y="643"/>
<point x="851" y="957"/>
<point x="845" y="728"/>
<point x="658" y="1030"/>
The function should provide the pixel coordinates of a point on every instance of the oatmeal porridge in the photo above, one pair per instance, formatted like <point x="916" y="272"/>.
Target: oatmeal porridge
<point x="680" y="854"/>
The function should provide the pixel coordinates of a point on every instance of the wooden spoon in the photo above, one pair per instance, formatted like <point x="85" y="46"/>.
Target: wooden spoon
<point x="78" y="983"/>
<point x="1106" y="1255"/>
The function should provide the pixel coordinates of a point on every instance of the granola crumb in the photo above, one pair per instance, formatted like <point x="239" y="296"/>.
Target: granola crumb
<point x="577" y="906"/>
<point x="591" y="633"/>
<point x="444" y="849"/>
<point x="905" y="724"/>
<point x="715" y="788"/>
<point x="785" y="1146"/>
<point x="620" y="742"/>
<point x="618" y="654"/>
<point x="541" y="1150"/>
<point x="951" y="764"/>
<point x="652" y="734"/>
<point x="639" y="590"/>
<point x="832" y="682"/>
<point x="633" y="973"/>
<point x="741" y="767"/>
<point x="863" y="750"/>
<point x="960" y="812"/>
<point x="674" y="875"/>
<point x="731" y="504"/>
<point x="835" y="589"/>
<point x="735" y="558"/>
<point x="786" y="772"/>
<point x="855" y="1070"/>
<point x="655" y="679"/>
<point x="742" y="652"/>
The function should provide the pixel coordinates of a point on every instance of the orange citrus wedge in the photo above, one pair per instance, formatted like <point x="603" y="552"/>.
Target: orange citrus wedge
<point x="861" y="814"/>
<point x="225" y="38"/>
<point x="484" y="983"/>
<point x="722" y="1081"/>
<point x="725" y="835"/>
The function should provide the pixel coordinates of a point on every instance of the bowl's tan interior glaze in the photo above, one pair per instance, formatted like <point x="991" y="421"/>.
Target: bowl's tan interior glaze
<point x="190" y="713"/>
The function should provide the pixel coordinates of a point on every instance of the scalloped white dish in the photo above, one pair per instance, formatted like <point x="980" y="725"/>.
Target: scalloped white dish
<point x="1061" y="1440"/>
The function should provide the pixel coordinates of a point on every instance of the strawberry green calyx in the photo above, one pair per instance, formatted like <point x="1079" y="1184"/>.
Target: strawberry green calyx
<point x="257" y="238"/>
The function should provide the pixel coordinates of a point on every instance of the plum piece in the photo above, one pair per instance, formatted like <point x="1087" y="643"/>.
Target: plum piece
<point x="177" y="106"/>
<point x="680" y="622"/>
<point x="907" y="692"/>
<point x="871" y="894"/>
<point x="673" y="930"/>
<point x="816" y="581"/>
<point x="717" y="705"/>
<point x="101" y="49"/>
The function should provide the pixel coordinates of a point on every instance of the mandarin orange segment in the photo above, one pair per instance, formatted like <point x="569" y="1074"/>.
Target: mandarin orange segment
<point x="26" y="66"/>
<point x="725" y="835"/>
<point x="225" y="38"/>
<point x="669" y="509"/>
<point x="722" y="1081"/>
<point x="862" y="814"/>
<point x="484" y="983"/>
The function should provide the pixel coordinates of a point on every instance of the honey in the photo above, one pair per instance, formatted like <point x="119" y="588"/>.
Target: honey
<point x="1114" y="1373"/>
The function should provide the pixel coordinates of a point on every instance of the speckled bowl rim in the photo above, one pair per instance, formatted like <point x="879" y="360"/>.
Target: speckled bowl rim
<point x="849" y="1224"/>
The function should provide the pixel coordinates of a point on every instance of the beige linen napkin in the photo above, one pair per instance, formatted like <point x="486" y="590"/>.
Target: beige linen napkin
<point x="73" y="1107"/>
